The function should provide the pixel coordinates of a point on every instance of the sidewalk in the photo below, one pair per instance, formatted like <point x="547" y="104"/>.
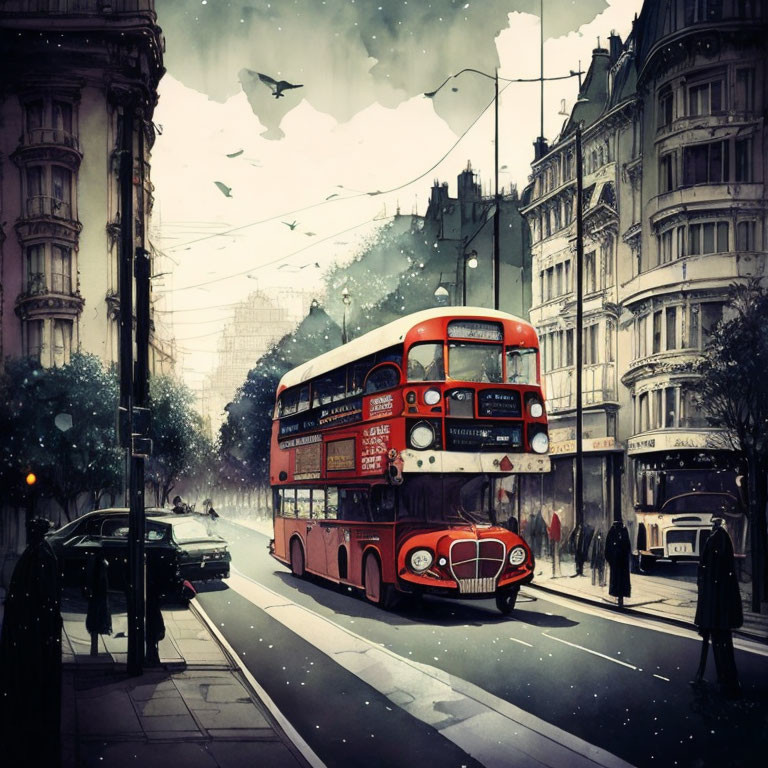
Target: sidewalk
<point x="653" y="595"/>
<point x="197" y="709"/>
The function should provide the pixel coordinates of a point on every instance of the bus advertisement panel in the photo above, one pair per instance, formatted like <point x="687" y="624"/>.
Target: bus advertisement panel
<point x="394" y="458"/>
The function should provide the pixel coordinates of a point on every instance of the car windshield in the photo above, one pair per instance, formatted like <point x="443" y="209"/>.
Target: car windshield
<point x="189" y="530"/>
<point x="456" y="498"/>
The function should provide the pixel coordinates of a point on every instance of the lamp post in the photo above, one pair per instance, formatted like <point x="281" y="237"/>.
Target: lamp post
<point x="346" y="300"/>
<point x="579" y="479"/>
<point x="496" y="196"/>
<point x="468" y="260"/>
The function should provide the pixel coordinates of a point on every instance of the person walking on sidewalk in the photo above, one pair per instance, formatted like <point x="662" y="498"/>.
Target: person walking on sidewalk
<point x="30" y="656"/>
<point x="617" y="553"/>
<point x="98" y="620"/>
<point x="718" y="608"/>
<point x="555" y="533"/>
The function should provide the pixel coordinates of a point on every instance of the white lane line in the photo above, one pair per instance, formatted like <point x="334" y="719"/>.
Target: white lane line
<point x="295" y="737"/>
<point x="661" y="677"/>
<point x="589" y="650"/>
<point x="493" y="731"/>
<point x="522" y="642"/>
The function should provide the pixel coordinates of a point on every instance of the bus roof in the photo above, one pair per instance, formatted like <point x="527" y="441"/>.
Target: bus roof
<point x="381" y="338"/>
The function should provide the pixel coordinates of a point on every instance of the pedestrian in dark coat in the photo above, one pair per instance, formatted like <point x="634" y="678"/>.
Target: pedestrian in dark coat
<point x="555" y="533"/>
<point x="581" y="538"/>
<point x="98" y="620"/>
<point x="597" y="559"/>
<point x="617" y="554"/>
<point x="30" y="656"/>
<point x="718" y="608"/>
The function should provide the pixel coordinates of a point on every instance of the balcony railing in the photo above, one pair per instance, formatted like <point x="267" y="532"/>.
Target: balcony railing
<point x="43" y="205"/>
<point x="76" y="6"/>
<point x="598" y="385"/>
<point x="54" y="136"/>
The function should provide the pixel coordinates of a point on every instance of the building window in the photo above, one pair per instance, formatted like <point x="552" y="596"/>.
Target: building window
<point x="606" y="251"/>
<point x="590" y="272"/>
<point x="62" y="342"/>
<point x="670" y="407"/>
<point x="609" y="335"/>
<point x="558" y="279"/>
<point x="705" y="163"/>
<point x="703" y="10"/>
<point x="671" y="328"/>
<point x="665" y="247"/>
<point x="744" y="95"/>
<point x="569" y="347"/>
<point x="33" y="112"/>
<point x="667" y="172"/>
<point x="61" y="270"/>
<point x="657" y="332"/>
<point x="708" y="238"/>
<point x="590" y="344"/>
<point x="681" y="242"/>
<point x="550" y="277"/>
<point x="703" y="320"/>
<point x="567" y="277"/>
<point x="690" y="414"/>
<point x="705" y="98"/>
<point x="743" y="160"/>
<point x="658" y="416"/>
<point x="642" y="413"/>
<point x="35" y="339"/>
<point x="666" y="104"/>
<point x="745" y="236"/>
<point x="61" y="189"/>
<point x="35" y="266"/>
<point x="62" y="116"/>
<point x="641" y="336"/>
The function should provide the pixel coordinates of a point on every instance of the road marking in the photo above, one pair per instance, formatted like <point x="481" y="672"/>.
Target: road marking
<point x="295" y="737"/>
<point x="522" y="642"/>
<point x="589" y="650"/>
<point x="493" y="731"/>
<point x="661" y="677"/>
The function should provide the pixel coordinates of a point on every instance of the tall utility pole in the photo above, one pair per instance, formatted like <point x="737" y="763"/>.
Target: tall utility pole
<point x="579" y="482"/>
<point x="497" y="214"/>
<point x="134" y="478"/>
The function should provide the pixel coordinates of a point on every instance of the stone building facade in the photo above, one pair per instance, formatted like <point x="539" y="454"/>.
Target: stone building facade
<point x="69" y="71"/>
<point x="673" y="140"/>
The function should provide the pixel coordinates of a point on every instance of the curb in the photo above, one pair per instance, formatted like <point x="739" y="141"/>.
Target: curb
<point x="628" y="610"/>
<point x="290" y="735"/>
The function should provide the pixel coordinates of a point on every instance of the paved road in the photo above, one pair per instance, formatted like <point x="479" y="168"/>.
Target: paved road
<point x="617" y="683"/>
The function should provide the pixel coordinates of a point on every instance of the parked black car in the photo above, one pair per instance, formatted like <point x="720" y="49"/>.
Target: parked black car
<point x="177" y="546"/>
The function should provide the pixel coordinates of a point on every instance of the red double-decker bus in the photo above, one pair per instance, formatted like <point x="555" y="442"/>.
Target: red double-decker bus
<point x="394" y="458"/>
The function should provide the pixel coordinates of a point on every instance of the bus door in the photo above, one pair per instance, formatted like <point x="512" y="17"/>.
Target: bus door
<point x="333" y="535"/>
<point x="311" y="531"/>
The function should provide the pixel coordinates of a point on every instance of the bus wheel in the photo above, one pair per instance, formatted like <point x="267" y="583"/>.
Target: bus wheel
<point x="297" y="559"/>
<point x="505" y="601"/>
<point x="376" y="591"/>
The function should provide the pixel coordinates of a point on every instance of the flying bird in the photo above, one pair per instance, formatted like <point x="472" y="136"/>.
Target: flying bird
<point x="310" y="234"/>
<point x="236" y="154"/>
<point x="276" y="86"/>
<point x="223" y="188"/>
<point x="292" y="225"/>
<point x="335" y="194"/>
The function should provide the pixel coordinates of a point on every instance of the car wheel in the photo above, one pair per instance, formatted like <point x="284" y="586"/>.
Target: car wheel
<point x="376" y="591"/>
<point x="505" y="601"/>
<point x="297" y="559"/>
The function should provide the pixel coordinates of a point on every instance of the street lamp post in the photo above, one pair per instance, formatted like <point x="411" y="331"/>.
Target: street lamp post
<point x="497" y="198"/>
<point x="579" y="479"/>
<point x="468" y="260"/>
<point x="346" y="300"/>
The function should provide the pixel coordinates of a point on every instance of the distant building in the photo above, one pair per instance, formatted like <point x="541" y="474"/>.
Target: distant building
<point x="258" y="322"/>
<point x="674" y="212"/>
<point x="68" y="74"/>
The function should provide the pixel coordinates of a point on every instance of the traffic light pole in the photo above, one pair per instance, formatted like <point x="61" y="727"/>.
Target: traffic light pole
<point x="134" y="482"/>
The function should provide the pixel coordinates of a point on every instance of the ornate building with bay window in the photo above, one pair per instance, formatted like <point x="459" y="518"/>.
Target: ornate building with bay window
<point x="674" y="213"/>
<point x="69" y="72"/>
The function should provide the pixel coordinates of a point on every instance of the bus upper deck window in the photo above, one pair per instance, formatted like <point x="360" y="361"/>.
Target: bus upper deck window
<point x="521" y="366"/>
<point x="425" y="362"/>
<point x="381" y="378"/>
<point x="468" y="361"/>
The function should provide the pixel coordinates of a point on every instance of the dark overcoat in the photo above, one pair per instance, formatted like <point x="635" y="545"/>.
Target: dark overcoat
<point x="719" y="601"/>
<point x="617" y="552"/>
<point x="98" y="620"/>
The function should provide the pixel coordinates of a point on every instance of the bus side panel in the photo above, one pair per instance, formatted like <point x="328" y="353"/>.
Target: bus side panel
<point x="372" y="537"/>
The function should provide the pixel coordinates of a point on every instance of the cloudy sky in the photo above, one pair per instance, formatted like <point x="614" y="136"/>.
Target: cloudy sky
<point x="305" y="178"/>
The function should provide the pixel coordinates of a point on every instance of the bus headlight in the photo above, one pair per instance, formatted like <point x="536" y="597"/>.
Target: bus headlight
<point x="432" y="396"/>
<point x="540" y="442"/>
<point x="516" y="556"/>
<point x="422" y="435"/>
<point x="536" y="409"/>
<point x="419" y="560"/>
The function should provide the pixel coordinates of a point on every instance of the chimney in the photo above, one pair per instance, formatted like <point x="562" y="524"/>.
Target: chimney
<point x="615" y="46"/>
<point x="540" y="148"/>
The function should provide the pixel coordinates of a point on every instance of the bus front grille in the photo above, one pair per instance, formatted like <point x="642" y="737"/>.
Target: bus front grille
<point x="476" y="586"/>
<point x="476" y="564"/>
